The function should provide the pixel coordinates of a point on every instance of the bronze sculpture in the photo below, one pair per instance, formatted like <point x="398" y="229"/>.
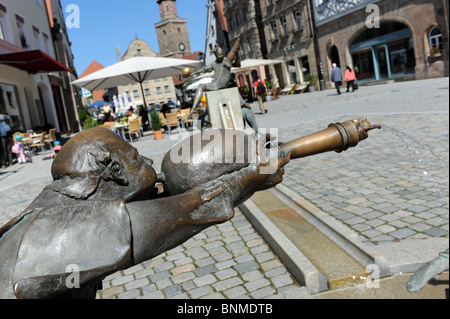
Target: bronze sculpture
<point x="428" y="271"/>
<point x="222" y="71"/>
<point x="102" y="212"/>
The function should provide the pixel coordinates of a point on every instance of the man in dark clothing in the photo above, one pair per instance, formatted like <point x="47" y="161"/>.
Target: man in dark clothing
<point x="336" y="77"/>
<point x="5" y="146"/>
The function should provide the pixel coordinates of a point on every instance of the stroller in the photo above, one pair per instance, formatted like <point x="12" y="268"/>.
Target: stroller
<point x="23" y="155"/>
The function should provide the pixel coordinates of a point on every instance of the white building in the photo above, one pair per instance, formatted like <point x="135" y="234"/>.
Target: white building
<point x="30" y="81"/>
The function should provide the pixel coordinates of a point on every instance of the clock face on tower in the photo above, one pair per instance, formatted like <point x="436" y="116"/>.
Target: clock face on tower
<point x="181" y="47"/>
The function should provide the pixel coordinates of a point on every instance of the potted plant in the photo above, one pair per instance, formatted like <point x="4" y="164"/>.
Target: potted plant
<point x="156" y="124"/>
<point x="245" y="91"/>
<point x="435" y="51"/>
<point x="312" y="79"/>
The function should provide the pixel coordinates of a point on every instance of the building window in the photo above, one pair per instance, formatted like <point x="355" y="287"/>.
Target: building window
<point x="298" y="20"/>
<point x="158" y="90"/>
<point x="46" y="48"/>
<point x="284" y="24"/>
<point x="245" y="11"/>
<point x="147" y="91"/>
<point x="135" y="93"/>
<point x="250" y="44"/>
<point x="21" y="29"/>
<point x="2" y="26"/>
<point x="166" y="89"/>
<point x="37" y="37"/>
<point x="436" y="45"/>
<point x="274" y="30"/>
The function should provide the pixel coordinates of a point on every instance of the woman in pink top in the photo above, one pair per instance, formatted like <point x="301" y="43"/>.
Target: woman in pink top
<point x="350" y="78"/>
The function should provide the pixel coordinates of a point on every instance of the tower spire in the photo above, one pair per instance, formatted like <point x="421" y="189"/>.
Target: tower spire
<point x="167" y="9"/>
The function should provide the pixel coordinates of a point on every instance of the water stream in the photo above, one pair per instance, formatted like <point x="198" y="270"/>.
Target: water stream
<point x="425" y="158"/>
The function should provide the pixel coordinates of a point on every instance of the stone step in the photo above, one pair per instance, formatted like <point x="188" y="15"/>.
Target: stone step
<point x="312" y="252"/>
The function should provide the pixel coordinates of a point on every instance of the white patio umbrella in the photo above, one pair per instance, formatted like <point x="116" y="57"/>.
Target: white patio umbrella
<point x="116" y="102"/>
<point x="195" y="85"/>
<point x="134" y="70"/>
<point x="125" y="101"/>
<point x="248" y="64"/>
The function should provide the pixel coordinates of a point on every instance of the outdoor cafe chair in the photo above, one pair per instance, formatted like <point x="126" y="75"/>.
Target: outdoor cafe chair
<point x="141" y="131"/>
<point x="133" y="128"/>
<point x="172" y="121"/>
<point x="185" y="117"/>
<point x="50" y="138"/>
<point x="39" y="142"/>
<point x="288" y="89"/>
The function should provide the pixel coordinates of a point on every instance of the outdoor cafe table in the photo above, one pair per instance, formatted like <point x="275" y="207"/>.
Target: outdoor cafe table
<point x="120" y="129"/>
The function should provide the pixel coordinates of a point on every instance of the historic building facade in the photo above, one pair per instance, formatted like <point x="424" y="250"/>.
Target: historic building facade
<point x="289" y="36"/>
<point x="70" y="96"/>
<point x="384" y="39"/>
<point x="216" y="30"/>
<point x="155" y="91"/>
<point x="275" y="29"/>
<point x="172" y="31"/>
<point x="37" y="98"/>
<point x="173" y="39"/>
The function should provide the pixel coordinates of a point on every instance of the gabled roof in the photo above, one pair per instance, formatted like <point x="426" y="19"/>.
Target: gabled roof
<point x="93" y="67"/>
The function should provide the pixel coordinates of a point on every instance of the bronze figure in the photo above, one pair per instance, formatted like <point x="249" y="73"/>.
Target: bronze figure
<point x="102" y="212"/>
<point x="222" y="71"/>
<point x="428" y="271"/>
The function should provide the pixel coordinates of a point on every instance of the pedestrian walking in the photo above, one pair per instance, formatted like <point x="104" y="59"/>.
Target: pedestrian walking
<point x="5" y="146"/>
<point x="350" y="78"/>
<point x="336" y="77"/>
<point x="260" y="92"/>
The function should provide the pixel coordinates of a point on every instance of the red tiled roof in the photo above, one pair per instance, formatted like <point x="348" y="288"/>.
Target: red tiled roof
<point x="93" y="67"/>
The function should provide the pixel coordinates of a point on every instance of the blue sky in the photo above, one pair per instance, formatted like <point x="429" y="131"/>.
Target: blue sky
<point x="106" y="24"/>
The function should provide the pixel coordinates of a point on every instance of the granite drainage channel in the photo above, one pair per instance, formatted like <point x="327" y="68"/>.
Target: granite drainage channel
<point x="316" y="254"/>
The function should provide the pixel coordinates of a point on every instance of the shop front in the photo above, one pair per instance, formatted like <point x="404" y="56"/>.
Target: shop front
<point x="10" y="106"/>
<point x="382" y="53"/>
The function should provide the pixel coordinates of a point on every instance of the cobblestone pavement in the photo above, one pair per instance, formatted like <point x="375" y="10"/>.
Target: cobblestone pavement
<point x="393" y="187"/>
<point x="229" y="260"/>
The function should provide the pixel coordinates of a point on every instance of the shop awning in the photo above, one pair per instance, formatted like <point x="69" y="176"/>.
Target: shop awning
<point x="34" y="61"/>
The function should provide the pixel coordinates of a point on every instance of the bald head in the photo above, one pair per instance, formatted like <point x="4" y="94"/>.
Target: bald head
<point x="99" y="162"/>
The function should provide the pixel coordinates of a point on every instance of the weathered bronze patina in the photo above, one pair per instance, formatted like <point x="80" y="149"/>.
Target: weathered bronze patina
<point x="428" y="271"/>
<point x="180" y="174"/>
<point x="102" y="213"/>
<point x="222" y="71"/>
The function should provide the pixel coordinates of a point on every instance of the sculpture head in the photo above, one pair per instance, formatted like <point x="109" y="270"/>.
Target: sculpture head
<point x="218" y="52"/>
<point x="97" y="163"/>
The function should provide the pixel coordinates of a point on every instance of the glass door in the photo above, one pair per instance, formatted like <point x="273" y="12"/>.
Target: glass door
<point x="383" y="63"/>
<point x="363" y="65"/>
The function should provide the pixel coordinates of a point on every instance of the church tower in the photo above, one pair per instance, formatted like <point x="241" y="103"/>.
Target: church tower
<point x="172" y="31"/>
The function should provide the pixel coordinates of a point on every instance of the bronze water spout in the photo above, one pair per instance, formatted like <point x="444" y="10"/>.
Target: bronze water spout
<point x="337" y="137"/>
